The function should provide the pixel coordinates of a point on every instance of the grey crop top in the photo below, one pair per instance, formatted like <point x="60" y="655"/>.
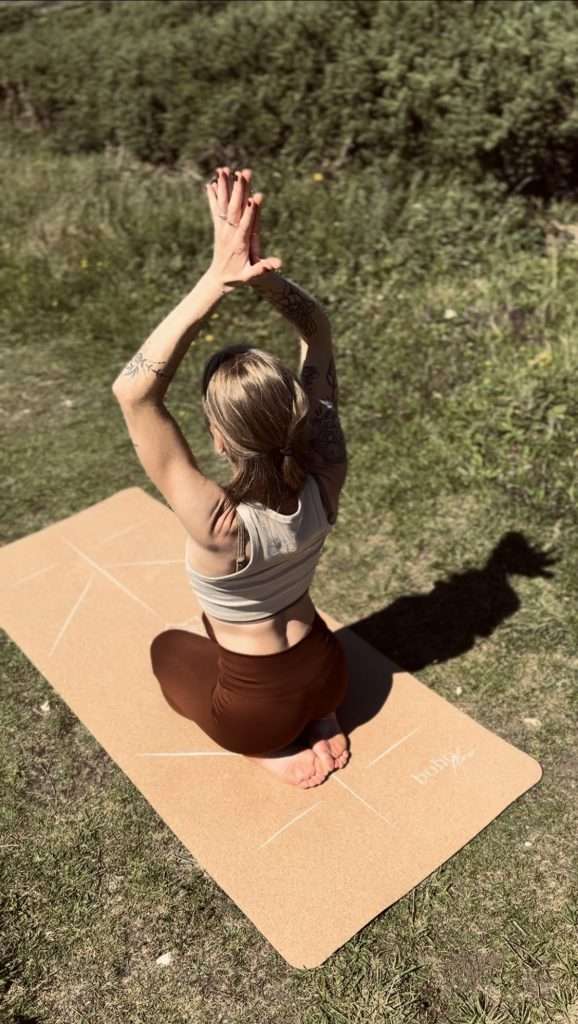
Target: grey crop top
<point x="285" y="550"/>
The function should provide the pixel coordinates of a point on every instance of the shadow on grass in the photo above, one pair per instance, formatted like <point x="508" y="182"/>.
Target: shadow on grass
<point x="425" y="629"/>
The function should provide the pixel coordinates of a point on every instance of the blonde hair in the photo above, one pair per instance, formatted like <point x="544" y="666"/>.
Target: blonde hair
<point x="259" y="406"/>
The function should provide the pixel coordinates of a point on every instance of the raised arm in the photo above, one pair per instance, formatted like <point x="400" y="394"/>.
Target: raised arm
<point x="317" y="361"/>
<point x="297" y="306"/>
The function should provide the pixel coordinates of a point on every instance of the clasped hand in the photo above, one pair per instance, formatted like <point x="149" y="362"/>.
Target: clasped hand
<point x="236" y="216"/>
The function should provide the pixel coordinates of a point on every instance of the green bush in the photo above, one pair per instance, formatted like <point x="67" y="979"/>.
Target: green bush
<point x="483" y="87"/>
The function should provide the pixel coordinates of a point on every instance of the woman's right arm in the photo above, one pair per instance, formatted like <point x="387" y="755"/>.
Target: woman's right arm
<point x="317" y="361"/>
<point x="297" y="306"/>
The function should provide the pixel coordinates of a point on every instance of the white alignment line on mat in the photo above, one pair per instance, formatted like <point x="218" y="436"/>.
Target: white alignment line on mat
<point x="53" y="565"/>
<point x="334" y="778"/>
<point x="110" y="577"/>
<point x="292" y="822"/>
<point x="358" y="797"/>
<point x="120" y="533"/>
<point x="31" y="575"/>
<point x="393" y="746"/>
<point x="68" y="619"/>
<point x="229" y="753"/>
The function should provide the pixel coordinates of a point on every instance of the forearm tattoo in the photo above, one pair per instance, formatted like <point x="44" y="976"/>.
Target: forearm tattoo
<point x="297" y="306"/>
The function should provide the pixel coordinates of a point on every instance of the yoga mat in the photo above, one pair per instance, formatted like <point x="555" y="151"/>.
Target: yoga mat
<point x="84" y="598"/>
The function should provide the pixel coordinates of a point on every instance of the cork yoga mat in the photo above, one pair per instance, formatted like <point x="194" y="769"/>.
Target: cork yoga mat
<point x="84" y="599"/>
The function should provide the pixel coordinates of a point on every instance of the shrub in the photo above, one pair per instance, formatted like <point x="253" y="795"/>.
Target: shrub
<point x="488" y="88"/>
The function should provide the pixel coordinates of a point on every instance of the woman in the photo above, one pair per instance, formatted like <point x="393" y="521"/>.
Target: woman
<point x="267" y="678"/>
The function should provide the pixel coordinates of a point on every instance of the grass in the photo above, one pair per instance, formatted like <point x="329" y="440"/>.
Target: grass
<point x="455" y="553"/>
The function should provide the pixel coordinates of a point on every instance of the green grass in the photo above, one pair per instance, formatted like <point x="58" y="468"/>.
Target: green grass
<point x="455" y="552"/>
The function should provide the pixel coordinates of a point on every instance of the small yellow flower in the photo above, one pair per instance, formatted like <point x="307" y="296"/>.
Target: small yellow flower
<point x="318" y="176"/>
<point x="209" y="337"/>
<point x="215" y="316"/>
<point x="543" y="358"/>
<point x="84" y="263"/>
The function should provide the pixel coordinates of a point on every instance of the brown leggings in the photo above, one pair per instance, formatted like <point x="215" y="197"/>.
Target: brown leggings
<point x="251" y="704"/>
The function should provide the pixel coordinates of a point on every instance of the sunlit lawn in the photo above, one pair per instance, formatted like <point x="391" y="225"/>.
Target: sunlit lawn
<point x="455" y="333"/>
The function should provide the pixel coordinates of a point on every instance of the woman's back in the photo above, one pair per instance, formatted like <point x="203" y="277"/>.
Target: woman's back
<point x="269" y="636"/>
<point x="256" y="598"/>
<point x="318" y="378"/>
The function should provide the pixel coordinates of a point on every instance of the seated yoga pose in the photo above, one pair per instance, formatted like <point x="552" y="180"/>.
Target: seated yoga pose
<point x="269" y="671"/>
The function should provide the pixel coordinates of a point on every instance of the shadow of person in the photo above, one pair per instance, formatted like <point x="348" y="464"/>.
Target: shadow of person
<point x="425" y="629"/>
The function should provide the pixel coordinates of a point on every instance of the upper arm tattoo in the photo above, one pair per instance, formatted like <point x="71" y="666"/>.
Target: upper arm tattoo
<point x="140" y="362"/>
<point x="327" y="438"/>
<point x="311" y="373"/>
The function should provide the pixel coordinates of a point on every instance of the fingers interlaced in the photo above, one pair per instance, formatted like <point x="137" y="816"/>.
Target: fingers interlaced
<point x="240" y="193"/>
<point x="223" y="192"/>
<point x="228" y="196"/>
<point x="230" y="193"/>
<point x="249" y="218"/>
<point x="218" y="194"/>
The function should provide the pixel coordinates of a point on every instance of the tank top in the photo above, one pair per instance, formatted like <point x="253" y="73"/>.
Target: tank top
<point x="285" y="550"/>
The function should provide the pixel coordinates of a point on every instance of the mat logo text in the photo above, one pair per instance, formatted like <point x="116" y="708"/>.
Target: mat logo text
<point x="438" y="764"/>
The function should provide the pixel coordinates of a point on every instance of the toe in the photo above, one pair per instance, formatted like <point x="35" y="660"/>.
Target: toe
<point x="322" y="772"/>
<point x="341" y="761"/>
<point x="315" y="780"/>
<point x="323" y="756"/>
<point x="310" y="772"/>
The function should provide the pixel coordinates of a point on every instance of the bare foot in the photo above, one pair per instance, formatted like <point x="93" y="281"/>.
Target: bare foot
<point x="297" y="767"/>
<point x="326" y="737"/>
